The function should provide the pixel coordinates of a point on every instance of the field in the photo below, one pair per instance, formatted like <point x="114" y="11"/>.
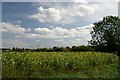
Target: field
<point x="59" y="65"/>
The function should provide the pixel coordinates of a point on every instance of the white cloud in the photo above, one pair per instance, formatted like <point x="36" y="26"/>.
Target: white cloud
<point x="28" y="30"/>
<point x="8" y="27"/>
<point x="80" y="1"/>
<point x="56" y="32"/>
<point x="43" y="30"/>
<point x="59" y="40"/>
<point x="59" y="32"/>
<point x="28" y="35"/>
<point x="11" y="28"/>
<point x="83" y="10"/>
<point x="64" y="15"/>
<point x="46" y="15"/>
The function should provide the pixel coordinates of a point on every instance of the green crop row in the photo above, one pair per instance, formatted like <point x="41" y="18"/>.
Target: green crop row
<point x="29" y="64"/>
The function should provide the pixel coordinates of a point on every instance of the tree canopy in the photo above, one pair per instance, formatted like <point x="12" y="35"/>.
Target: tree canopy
<point x="106" y="34"/>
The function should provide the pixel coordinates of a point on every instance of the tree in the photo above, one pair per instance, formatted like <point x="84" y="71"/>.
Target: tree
<point x="13" y="49"/>
<point x="106" y="34"/>
<point x="58" y="49"/>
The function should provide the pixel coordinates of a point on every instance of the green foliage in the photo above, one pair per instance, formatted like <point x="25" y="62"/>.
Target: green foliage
<point x="42" y="64"/>
<point x="106" y="34"/>
<point x="104" y="71"/>
<point x="82" y="48"/>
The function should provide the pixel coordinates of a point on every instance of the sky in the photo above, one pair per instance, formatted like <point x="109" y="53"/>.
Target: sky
<point x="48" y="24"/>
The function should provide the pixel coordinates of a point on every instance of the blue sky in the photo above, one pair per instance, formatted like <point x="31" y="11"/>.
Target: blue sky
<point x="48" y="24"/>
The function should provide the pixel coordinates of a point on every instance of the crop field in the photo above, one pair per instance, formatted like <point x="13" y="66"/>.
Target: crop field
<point x="59" y="65"/>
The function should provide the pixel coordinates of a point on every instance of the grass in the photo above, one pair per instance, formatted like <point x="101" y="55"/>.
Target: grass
<point x="105" y="71"/>
<point x="59" y="65"/>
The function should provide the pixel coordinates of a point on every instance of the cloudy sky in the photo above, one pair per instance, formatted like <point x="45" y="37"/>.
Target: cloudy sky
<point x="48" y="24"/>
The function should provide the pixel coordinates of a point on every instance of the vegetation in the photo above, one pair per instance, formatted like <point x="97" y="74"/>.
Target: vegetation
<point x="54" y="49"/>
<point x="106" y="34"/>
<point x="48" y="64"/>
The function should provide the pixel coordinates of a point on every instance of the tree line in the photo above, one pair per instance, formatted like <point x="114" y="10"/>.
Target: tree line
<point x="56" y="49"/>
<point x="59" y="49"/>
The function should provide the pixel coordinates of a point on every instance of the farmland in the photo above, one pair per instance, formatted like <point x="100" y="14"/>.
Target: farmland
<point x="59" y="65"/>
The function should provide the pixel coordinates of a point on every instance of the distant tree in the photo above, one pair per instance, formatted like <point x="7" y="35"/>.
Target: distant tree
<point x="67" y="47"/>
<point x="73" y="46"/>
<point x="58" y="49"/>
<point x="54" y="47"/>
<point x="50" y="50"/>
<point x="13" y="49"/>
<point x="106" y="34"/>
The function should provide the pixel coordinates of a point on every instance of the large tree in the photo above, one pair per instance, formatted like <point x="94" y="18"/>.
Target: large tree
<point x="106" y="33"/>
